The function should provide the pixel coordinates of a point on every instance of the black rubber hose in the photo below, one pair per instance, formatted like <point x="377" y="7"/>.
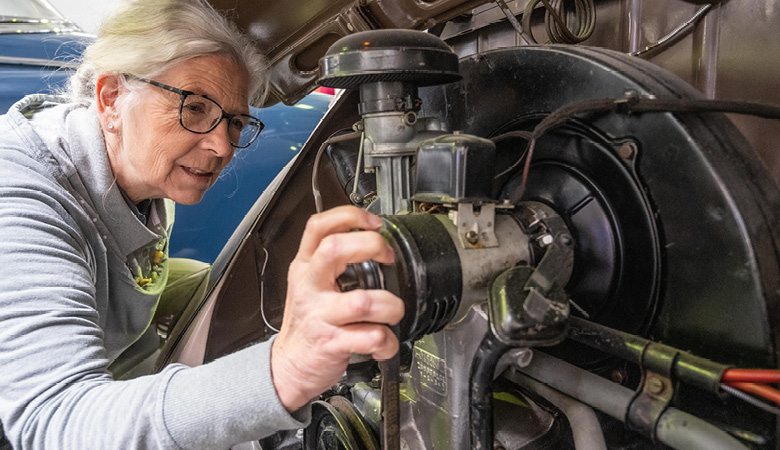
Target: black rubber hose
<point x="483" y="367"/>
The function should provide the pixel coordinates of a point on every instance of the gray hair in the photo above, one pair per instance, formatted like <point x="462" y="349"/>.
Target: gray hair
<point x="147" y="37"/>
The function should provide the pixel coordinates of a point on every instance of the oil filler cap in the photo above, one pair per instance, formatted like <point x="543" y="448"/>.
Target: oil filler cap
<point x="409" y="56"/>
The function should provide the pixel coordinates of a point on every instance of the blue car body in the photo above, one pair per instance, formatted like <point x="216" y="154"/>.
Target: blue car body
<point x="36" y="62"/>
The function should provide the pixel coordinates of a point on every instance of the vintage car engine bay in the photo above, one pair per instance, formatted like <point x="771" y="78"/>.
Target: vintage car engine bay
<point x="586" y="245"/>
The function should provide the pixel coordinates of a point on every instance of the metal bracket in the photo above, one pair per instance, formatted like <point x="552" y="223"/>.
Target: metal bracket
<point x="655" y="391"/>
<point x="549" y="231"/>
<point x="476" y="228"/>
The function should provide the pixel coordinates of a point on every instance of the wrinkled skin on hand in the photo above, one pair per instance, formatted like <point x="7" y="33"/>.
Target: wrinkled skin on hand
<point x="322" y="326"/>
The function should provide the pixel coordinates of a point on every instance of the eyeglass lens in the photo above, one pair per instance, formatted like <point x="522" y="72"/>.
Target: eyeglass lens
<point x="201" y="114"/>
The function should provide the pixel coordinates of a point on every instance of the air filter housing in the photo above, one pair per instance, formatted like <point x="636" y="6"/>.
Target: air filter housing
<point x="407" y="56"/>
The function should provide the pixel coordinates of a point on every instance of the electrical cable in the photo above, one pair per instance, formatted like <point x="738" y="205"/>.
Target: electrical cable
<point x="354" y="196"/>
<point x="662" y="43"/>
<point x="766" y="392"/>
<point x="262" y="306"/>
<point x="749" y="399"/>
<point x="742" y="382"/>
<point x="751" y="376"/>
<point x="635" y="104"/>
<point x="315" y="172"/>
<point x="512" y="20"/>
<point x="512" y="134"/>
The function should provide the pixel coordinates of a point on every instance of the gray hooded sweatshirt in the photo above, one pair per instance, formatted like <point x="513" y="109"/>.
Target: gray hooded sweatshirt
<point x="71" y="252"/>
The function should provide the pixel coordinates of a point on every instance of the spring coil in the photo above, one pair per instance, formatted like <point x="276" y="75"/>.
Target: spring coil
<point x="555" y="20"/>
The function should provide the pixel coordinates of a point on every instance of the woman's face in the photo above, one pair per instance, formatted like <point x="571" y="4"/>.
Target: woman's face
<point x="154" y="156"/>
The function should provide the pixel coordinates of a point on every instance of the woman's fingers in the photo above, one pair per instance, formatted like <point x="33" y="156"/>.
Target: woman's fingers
<point x="364" y="338"/>
<point x="322" y="326"/>
<point x="301" y="371"/>
<point x="336" y="220"/>
<point x="337" y="250"/>
<point x="363" y="306"/>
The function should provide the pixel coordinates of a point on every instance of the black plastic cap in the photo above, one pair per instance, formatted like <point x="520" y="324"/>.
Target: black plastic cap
<point x="388" y="55"/>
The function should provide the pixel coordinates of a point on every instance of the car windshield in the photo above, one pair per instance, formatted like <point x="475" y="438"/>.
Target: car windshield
<point x="32" y="16"/>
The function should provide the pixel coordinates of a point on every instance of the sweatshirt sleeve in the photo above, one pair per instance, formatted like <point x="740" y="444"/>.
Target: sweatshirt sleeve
<point x="55" y="389"/>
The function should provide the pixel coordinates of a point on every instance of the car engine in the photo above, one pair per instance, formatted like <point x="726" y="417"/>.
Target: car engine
<point x="586" y="246"/>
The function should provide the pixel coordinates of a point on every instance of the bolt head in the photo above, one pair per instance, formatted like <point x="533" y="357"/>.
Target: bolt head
<point x="618" y="376"/>
<point x="655" y="385"/>
<point x="545" y="239"/>
<point x="627" y="150"/>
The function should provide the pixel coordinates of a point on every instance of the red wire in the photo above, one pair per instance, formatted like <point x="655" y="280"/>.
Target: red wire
<point x="758" y="389"/>
<point x="751" y="376"/>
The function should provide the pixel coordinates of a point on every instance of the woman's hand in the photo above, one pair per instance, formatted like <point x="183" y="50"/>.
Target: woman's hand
<point x="322" y="326"/>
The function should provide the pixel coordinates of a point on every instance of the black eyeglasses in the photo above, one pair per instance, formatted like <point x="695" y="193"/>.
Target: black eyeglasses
<point x="200" y="114"/>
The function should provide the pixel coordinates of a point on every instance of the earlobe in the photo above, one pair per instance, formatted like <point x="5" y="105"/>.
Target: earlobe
<point x="107" y="89"/>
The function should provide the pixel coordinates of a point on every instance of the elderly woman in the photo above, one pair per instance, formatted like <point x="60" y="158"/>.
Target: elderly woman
<point x="87" y="185"/>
